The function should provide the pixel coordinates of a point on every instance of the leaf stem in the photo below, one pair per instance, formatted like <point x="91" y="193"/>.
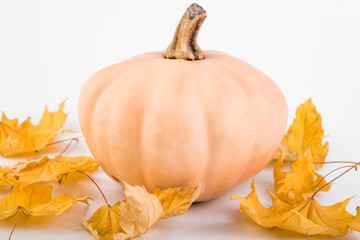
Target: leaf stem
<point x="17" y="218"/>
<point x="65" y="140"/>
<point x="95" y="185"/>
<point x="336" y="169"/>
<point x="335" y="162"/>
<point x="67" y="146"/>
<point x="310" y="204"/>
<point x="354" y="166"/>
<point x="308" y="199"/>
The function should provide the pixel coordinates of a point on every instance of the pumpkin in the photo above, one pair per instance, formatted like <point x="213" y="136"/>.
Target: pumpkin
<point x="183" y="116"/>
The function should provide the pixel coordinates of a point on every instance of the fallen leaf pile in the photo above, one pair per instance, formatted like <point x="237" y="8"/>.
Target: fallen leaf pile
<point x="294" y="205"/>
<point x="124" y="220"/>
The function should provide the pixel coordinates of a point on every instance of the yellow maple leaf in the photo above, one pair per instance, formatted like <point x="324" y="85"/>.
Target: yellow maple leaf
<point x="305" y="131"/>
<point x="301" y="182"/>
<point x="139" y="211"/>
<point x="28" y="138"/>
<point x="45" y="169"/>
<point x="308" y="217"/>
<point x="36" y="200"/>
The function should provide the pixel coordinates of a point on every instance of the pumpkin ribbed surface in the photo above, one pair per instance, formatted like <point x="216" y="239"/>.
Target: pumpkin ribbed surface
<point x="169" y="122"/>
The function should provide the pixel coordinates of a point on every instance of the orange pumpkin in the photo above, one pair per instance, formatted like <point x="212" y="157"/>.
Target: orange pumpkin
<point x="187" y="117"/>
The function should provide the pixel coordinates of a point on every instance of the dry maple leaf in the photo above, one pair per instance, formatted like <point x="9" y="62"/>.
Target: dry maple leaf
<point x="36" y="200"/>
<point x="301" y="182"/>
<point x="139" y="211"/>
<point x="28" y="138"/>
<point x="45" y="169"/>
<point x="308" y="217"/>
<point x="305" y="131"/>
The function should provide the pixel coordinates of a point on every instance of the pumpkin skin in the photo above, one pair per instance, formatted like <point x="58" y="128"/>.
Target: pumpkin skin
<point x="165" y="123"/>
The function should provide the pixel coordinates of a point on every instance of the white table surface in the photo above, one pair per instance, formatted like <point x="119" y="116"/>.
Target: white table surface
<point x="310" y="48"/>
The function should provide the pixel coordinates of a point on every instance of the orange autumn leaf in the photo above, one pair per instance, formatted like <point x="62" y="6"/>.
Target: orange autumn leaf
<point x="301" y="182"/>
<point x="308" y="217"/>
<point x="28" y="138"/>
<point x="305" y="131"/>
<point x="139" y="211"/>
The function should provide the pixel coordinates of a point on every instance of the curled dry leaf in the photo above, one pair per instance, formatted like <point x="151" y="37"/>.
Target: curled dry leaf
<point x="139" y="211"/>
<point x="28" y="138"/>
<point x="305" y="131"/>
<point x="175" y="201"/>
<point x="45" y="169"/>
<point x="3" y="176"/>
<point x="301" y="182"/>
<point x="36" y="200"/>
<point x="6" y="178"/>
<point x="307" y="217"/>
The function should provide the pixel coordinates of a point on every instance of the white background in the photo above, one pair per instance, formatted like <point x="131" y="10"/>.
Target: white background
<point x="310" y="48"/>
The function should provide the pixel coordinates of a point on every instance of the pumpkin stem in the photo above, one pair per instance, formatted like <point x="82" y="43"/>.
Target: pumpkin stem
<point x="184" y="44"/>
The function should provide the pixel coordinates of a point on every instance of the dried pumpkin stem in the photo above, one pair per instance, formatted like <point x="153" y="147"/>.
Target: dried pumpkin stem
<point x="184" y="44"/>
<point x="17" y="218"/>
<point x="97" y="186"/>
